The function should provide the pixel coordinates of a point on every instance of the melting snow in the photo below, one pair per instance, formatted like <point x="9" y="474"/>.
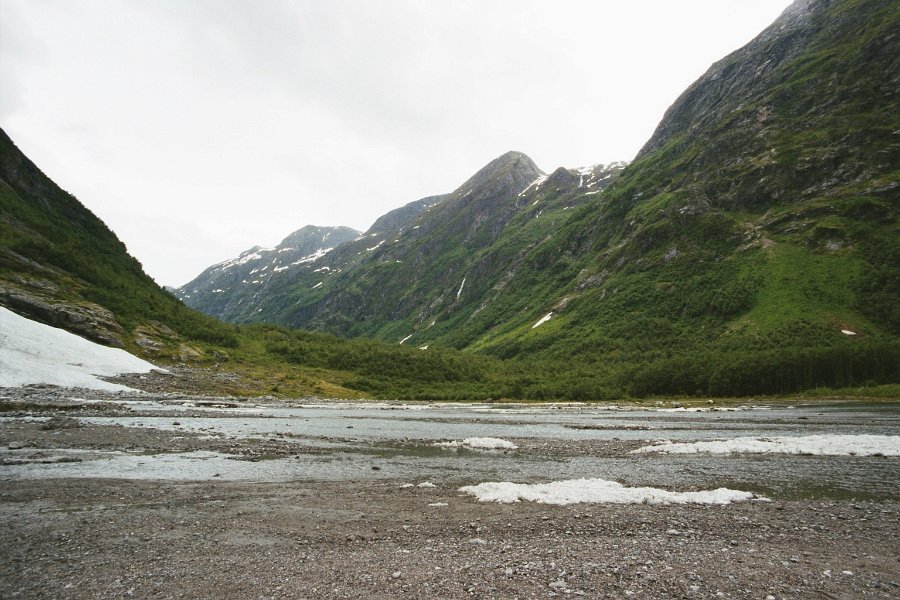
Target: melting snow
<point x="243" y="258"/>
<point x="543" y="319"/>
<point x="406" y="338"/>
<point x="848" y="332"/>
<point x="537" y="183"/>
<point x="573" y="491"/>
<point x="482" y="443"/>
<point x="826" y="445"/>
<point x="320" y="269"/>
<point x="318" y="285"/>
<point x="459" y="291"/>
<point x="34" y="353"/>
<point x="313" y="257"/>
<point x="375" y="246"/>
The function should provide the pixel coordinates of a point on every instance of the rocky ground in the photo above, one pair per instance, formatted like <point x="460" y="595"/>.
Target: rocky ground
<point x="109" y="538"/>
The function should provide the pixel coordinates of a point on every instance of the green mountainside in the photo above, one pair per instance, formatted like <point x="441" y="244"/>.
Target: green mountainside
<point x="751" y="247"/>
<point x="61" y="265"/>
<point x="224" y="290"/>
<point x="753" y="244"/>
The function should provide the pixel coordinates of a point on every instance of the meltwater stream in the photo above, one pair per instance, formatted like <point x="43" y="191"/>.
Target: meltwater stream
<point x="364" y="442"/>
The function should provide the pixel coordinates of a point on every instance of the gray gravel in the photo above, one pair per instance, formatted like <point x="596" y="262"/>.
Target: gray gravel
<point x="110" y="538"/>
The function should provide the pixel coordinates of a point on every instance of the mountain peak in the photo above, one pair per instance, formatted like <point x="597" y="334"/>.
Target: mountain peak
<point x="512" y="170"/>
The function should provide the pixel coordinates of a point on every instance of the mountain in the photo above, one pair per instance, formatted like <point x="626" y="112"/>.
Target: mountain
<point x="751" y="247"/>
<point x="61" y="265"/>
<point x="223" y="289"/>
<point x="400" y="217"/>
<point x="753" y="244"/>
<point x="427" y="265"/>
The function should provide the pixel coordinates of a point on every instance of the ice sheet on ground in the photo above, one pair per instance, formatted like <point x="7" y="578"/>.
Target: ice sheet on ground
<point x="34" y="353"/>
<point x="823" y="445"/>
<point x="484" y="443"/>
<point x="597" y="491"/>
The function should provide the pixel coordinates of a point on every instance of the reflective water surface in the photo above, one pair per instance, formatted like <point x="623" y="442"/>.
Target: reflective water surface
<point x="359" y="442"/>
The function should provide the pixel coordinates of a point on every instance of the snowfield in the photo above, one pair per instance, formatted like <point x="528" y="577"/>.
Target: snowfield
<point x="598" y="491"/>
<point x="34" y="353"/>
<point x="480" y="443"/>
<point x="822" y="445"/>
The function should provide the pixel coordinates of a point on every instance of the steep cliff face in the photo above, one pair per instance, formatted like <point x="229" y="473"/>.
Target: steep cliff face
<point x="402" y="217"/>
<point x="758" y="223"/>
<point x="806" y="107"/>
<point x="61" y="265"/>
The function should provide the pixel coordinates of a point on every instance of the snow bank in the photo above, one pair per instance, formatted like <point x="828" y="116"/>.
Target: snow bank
<point x="543" y="320"/>
<point x="481" y="443"/>
<point x="34" y="353"/>
<point x="825" y="445"/>
<point x="598" y="491"/>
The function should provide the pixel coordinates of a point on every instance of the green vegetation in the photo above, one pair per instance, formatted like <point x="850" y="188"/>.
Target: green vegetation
<point x="752" y="248"/>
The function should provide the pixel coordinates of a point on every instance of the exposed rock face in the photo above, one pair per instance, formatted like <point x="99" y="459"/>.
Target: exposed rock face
<point x="796" y="110"/>
<point x="399" y="218"/>
<point x="88" y="320"/>
<point x="422" y="262"/>
<point x="742" y="74"/>
<point x="225" y="290"/>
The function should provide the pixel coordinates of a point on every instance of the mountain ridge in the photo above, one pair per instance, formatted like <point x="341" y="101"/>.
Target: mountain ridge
<point x="755" y="228"/>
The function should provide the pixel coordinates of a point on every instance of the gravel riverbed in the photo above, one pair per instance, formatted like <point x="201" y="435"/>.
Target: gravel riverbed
<point x="384" y="536"/>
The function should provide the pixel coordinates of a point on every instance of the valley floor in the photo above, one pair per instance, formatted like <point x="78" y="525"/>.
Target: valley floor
<point x="365" y="527"/>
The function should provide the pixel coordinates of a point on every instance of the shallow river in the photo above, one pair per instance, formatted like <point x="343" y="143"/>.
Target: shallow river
<point x="361" y="442"/>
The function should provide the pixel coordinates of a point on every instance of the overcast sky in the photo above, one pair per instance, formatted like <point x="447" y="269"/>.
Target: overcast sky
<point x="198" y="128"/>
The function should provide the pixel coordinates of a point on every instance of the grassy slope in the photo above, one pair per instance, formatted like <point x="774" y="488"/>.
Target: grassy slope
<point x="747" y="241"/>
<point x="726" y="260"/>
<point x="59" y="245"/>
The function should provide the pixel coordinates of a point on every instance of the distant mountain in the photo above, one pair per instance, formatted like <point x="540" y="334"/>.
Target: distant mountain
<point x="225" y="290"/>
<point x="411" y="269"/>
<point x="399" y="218"/>
<point x="61" y="265"/>
<point x="751" y="247"/>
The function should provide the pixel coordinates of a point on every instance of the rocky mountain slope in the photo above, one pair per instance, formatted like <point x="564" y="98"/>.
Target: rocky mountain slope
<point x="426" y="265"/>
<point x="222" y="289"/>
<point x="751" y="246"/>
<point x="61" y="265"/>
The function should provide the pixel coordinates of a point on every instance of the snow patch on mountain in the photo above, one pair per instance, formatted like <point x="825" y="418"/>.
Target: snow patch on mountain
<point x="32" y="353"/>
<point x="543" y="319"/>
